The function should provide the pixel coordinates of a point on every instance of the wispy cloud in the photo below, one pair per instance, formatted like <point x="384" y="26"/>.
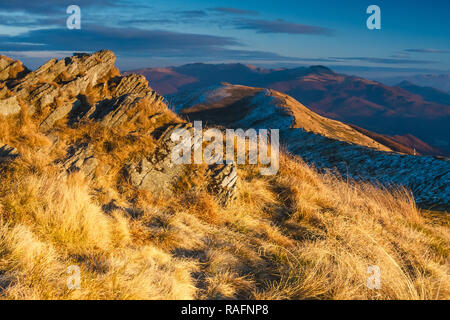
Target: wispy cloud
<point x="234" y="11"/>
<point x="95" y="37"/>
<point x="427" y="51"/>
<point x="54" y="6"/>
<point x="132" y="42"/>
<point x="193" y="13"/>
<point x="281" y="26"/>
<point x="383" y="60"/>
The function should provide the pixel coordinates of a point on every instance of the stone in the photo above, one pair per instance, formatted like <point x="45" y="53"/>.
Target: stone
<point x="58" y="114"/>
<point x="9" y="106"/>
<point x="157" y="173"/>
<point x="136" y="84"/>
<point x="222" y="183"/>
<point x="71" y="75"/>
<point x="82" y="159"/>
<point x="11" y="69"/>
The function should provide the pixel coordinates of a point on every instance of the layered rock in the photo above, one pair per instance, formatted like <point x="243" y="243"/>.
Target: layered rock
<point x="70" y="76"/>
<point x="87" y="87"/>
<point x="159" y="172"/>
<point x="11" y="69"/>
<point x="81" y="158"/>
<point x="223" y="182"/>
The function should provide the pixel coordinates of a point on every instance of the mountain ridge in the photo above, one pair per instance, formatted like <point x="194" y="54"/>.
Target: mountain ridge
<point x="365" y="103"/>
<point x="324" y="143"/>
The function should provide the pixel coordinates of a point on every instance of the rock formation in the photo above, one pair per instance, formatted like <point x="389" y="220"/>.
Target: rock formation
<point x="87" y="87"/>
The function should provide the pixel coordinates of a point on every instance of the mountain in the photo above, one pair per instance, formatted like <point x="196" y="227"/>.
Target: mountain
<point x="407" y="144"/>
<point x="368" y="104"/>
<point x="438" y="81"/>
<point x="93" y="207"/>
<point x="430" y="94"/>
<point x="322" y="142"/>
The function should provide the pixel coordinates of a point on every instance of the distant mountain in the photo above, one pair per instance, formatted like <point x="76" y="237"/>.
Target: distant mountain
<point x="324" y="143"/>
<point x="365" y="103"/>
<point x="430" y="94"/>
<point x="438" y="81"/>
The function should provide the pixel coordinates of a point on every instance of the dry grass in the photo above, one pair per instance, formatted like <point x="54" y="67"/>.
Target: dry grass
<point x="296" y="235"/>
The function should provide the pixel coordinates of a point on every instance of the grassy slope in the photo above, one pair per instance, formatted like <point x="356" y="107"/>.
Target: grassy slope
<point x="297" y="235"/>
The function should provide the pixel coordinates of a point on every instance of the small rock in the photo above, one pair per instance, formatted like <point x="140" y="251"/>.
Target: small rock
<point x="9" y="106"/>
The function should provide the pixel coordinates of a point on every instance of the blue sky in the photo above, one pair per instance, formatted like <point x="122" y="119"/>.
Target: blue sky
<point x="414" y="35"/>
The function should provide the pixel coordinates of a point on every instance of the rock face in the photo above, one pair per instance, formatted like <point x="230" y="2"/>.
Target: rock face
<point x="70" y="76"/>
<point x="158" y="171"/>
<point x="11" y="69"/>
<point x="88" y="88"/>
<point x="81" y="158"/>
<point x="223" y="182"/>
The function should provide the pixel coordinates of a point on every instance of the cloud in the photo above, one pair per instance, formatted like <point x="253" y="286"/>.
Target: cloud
<point x="39" y="54"/>
<point x="427" y="51"/>
<point x="383" y="60"/>
<point x="234" y="11"/>
<point x="53" y="6"/>
<point x="281" y="26"/>
<point x="193" y="13"/>
<point x="132" y="40"/>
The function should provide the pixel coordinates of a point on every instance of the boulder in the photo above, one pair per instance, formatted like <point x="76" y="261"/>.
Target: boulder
<point x="157" y="173"/>
<point x="81" y="158"/>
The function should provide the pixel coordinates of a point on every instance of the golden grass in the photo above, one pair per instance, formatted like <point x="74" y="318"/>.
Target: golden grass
<point x="296" y="235"/>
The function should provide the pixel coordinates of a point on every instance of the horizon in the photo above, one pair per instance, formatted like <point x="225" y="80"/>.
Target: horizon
<point x="175" y="33"/>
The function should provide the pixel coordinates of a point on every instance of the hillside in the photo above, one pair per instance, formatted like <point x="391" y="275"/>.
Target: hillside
<point x="86" y="182"/>
<point x="430" y="94"/>
<point x="367" y="104"/>
<point x="324" y="143"/>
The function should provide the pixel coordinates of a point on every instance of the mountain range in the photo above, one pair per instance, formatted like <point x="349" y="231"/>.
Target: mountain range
<point x="402" y="113"/>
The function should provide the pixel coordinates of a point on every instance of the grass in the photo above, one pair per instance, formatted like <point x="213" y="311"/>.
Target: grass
<point x="297" y="235"/>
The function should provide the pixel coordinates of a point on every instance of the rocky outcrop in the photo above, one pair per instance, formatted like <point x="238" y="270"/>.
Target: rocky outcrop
<point x="70" y="76"/>
<point x="158" y="172"/>
<point x="11" y="69"/>
<point x="87" y="87"/>
<point x="58" y="114"/>
<point x="223" y="182"/>
<point x="124" y="109"/>
<point x="81" y="158"/>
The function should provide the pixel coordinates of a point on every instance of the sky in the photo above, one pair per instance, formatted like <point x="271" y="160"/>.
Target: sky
<point x="414" y="35"/>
